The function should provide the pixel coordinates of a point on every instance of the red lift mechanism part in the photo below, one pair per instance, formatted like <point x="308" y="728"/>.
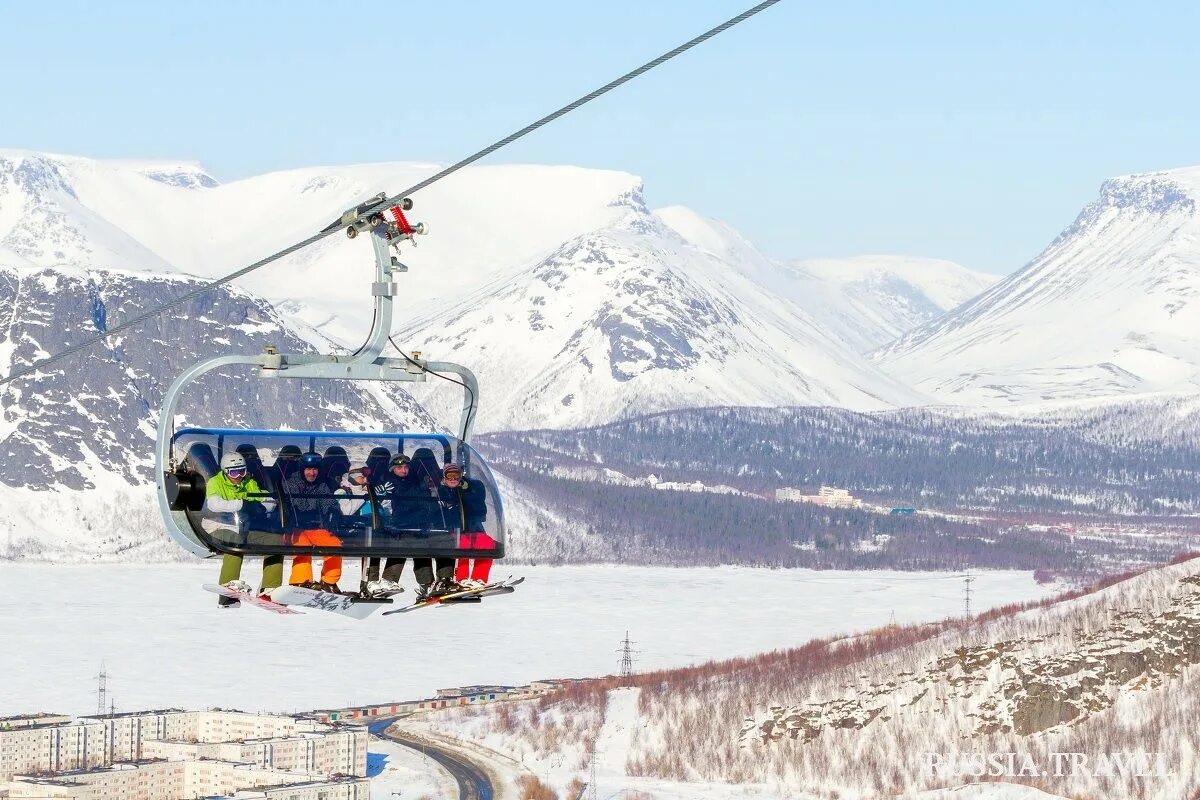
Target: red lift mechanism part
<point x="397" y="215"/>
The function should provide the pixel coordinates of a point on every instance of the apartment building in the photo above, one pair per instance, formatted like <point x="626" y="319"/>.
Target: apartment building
<point x="165" y="754"/>
<point x="172" y="780"/>
<point x="828" y="496"/>
<point x="30" y="720"/>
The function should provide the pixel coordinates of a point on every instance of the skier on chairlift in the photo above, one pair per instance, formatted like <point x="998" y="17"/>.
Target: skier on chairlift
<point x="400" y="503"/>
<point x="464" y="504"/>
<point x="310" y="502"/>
<point x="234" y="493"/>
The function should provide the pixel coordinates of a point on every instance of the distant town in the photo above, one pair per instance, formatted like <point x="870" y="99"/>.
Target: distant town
<point x="217" y="754"/>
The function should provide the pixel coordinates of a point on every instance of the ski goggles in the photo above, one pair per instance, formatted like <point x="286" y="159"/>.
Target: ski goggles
<point x="236" y="472"/>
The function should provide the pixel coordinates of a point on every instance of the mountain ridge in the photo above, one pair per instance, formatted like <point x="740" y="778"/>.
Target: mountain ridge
<point x="1107" y="308"/>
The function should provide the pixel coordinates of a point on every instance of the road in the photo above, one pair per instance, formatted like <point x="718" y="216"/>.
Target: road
<point x="473" y="781"/>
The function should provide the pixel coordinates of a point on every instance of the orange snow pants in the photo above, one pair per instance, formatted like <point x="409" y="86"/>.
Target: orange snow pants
<point x="331" y="566"/>
<point x="483" y="566"/>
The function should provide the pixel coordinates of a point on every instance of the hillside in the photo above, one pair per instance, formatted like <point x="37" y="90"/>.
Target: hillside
<point x="865" y="301"/>
<point x="1118" y="458"/>
<point x="1109" y="673"/>
<point x="76" y="441"/>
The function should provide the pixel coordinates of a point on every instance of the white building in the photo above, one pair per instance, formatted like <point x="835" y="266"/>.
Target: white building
<point x="827" y="496"/>
<point x="176" y="780"/>
<point x="30" y="720"/>
<point x="92" y="755"/>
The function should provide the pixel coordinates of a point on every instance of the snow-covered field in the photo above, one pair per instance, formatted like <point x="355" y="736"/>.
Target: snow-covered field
<point x="399" y="770"/>
<point x="507" y="758"/>
<point x="164" y="643"/>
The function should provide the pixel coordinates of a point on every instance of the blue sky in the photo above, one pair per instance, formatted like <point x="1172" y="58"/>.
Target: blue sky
<point x="957" y="130"/>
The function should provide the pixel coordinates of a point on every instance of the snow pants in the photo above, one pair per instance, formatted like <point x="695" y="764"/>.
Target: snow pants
<point x="272" y="574"/>
<point x="482" y="567"/>
<point x="424" y="569"/>
<point x="392" y="570"/>
<point x="255" y="527"/>
<point x="331" y="566"/>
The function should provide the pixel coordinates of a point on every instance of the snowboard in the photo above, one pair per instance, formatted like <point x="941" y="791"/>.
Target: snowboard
<point x="248" y="598"/>
<point x="506" y="586"/>
<point x="346" y="605"/>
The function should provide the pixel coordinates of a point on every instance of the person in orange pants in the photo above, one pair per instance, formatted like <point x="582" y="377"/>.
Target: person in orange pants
<point x="310" y="500"/>
<point x="331" y="566"/>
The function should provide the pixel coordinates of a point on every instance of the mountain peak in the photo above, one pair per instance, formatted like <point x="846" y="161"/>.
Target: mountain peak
<point x="1107" y="308"/>
<point x="1151" y="193"/>
<point x="32" y="174"/>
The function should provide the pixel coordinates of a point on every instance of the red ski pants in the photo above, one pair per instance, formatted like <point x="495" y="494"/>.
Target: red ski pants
<point x="483" y="566"/>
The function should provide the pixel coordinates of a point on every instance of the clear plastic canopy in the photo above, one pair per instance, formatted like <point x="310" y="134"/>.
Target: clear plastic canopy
<point x="332" y="493"/>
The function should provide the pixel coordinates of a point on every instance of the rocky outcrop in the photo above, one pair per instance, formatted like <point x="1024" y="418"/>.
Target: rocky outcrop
<point x="1021" y="685"/>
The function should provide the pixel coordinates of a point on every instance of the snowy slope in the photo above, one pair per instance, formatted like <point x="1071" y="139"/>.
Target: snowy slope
<point x="1102" y="673"/>
<point x="1110" y="307"/>
<point x="877" y="298"/>
<point x="631" y="319"/>
<point x="176" y="217"/>
<point x="643" y="318"/>
<point x="76" y="441"/>
<point x="866" y="301"/>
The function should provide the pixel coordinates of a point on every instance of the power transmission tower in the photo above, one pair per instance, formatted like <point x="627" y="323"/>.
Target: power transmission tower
<point x="967" y="597"/>
<point x="102" y="692"/>
<point x="593" y="791"/>
<point x="627" y="652"/>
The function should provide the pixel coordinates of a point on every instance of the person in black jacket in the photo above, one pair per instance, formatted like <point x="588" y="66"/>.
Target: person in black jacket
<point x="400" y="498"/>
<point x="435" y="576"/>
<point x="309" y="502"/>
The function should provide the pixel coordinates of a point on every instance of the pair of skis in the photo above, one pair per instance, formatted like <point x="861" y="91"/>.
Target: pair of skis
<point x="286" y="599"/>
<point x="507" y="586"/>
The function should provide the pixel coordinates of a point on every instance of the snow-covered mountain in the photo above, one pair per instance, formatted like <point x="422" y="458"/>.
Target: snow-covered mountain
<point x="162" y="216"/>
<point x="873" y="300"/>
<point x="1110" y="307"/>
<point x="630" y="319"/>
<point x="76" y="441"/>
<point x="572" y="300"/>
<point x="866" y="301"/>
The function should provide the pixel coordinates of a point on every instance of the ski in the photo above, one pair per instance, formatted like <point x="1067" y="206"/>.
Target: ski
<point x="507" y="586"/>
<point x="344" y="604"/>
<point x="250" y="599"/>
<point x="465" y="596"/>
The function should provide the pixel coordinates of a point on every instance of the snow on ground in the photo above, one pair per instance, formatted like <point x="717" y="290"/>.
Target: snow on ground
<point x="164" y="643"/>
<point x="508" y="757"/>
<point x="988" y="791"/>
<point x="398" y="770"/>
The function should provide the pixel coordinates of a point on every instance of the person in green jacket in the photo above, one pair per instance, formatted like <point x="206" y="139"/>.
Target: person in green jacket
<point x="232" y="491"/>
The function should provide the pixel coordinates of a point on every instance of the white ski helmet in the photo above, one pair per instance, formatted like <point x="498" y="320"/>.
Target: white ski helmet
<point x="232" y="461"/>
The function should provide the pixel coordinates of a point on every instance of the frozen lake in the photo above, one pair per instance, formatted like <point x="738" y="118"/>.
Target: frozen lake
<point x="164" y="643"/>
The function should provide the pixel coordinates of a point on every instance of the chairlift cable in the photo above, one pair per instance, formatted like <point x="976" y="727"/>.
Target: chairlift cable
<point x="207" y="287"/>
